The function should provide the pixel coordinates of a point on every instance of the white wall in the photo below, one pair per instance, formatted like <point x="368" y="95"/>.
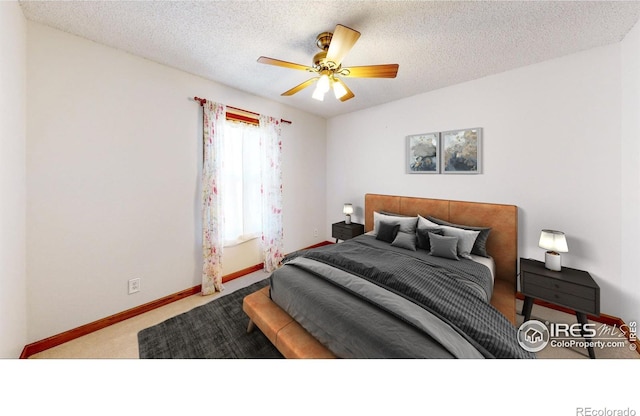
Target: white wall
<point x="630" y="161"/>
<point x="551" y="146"/>
<point x="13" y="289"/>
<point x="113" y="169"/>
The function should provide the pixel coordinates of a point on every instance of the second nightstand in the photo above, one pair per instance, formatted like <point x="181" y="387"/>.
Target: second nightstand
<point x="571" y="288"/>
<point x="343" y="231"/>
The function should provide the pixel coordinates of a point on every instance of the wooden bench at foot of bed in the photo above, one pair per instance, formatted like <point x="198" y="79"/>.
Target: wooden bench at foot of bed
<point x="292" y="340"/>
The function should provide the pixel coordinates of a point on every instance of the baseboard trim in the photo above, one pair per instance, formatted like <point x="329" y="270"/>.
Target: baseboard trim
<point x="324" y="243"/>
<point x="78" y="332"/>
<point x="603" y="318"/>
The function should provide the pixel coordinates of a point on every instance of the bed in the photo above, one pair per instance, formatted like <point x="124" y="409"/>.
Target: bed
<point x="374" y="296"/>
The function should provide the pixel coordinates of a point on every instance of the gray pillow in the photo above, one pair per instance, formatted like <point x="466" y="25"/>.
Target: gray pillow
<point x="387" y="232"/>
<point x="423" y="237"/>
<point x="443" y="246"/>
<point x="480" y="245"/>
<point x="405" y="240"/>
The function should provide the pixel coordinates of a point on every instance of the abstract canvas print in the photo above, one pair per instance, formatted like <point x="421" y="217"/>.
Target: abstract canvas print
<point x="461" y="151"/>
<point x="423" y="153"/>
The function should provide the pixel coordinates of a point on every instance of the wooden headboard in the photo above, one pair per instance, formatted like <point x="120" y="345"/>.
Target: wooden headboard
<point x="502" y="243"/>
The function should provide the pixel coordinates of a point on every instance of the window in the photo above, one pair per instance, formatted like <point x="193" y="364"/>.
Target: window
<point x="240" y="185"/>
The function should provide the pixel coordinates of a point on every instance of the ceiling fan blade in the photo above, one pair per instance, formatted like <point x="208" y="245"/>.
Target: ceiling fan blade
<point x="285" y="64"/>
<point x="373" y="71"/>
<point x="300" y="86"/>
<point x="349" y="95"/>
<point x="341" y="43"/>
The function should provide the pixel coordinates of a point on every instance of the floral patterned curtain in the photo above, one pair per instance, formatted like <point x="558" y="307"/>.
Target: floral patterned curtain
<point x="270" y="149"/>
<point x="212" y="215"/>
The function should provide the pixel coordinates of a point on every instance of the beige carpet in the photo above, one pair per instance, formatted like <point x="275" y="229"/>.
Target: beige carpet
<point x="605" y="333"/>
<point x="121" y="340"/>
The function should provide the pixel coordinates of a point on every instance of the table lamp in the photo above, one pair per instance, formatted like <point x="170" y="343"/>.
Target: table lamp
<point x="555" y="243"/>
<point x="347" y="210"/>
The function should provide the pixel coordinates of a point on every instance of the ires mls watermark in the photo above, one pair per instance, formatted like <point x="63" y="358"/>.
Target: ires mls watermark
<point x="534" y="336"/>
<point x="589" y="411"/>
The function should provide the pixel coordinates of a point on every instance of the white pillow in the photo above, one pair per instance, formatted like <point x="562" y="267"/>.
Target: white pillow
<point x="466" y="239"/>
<point x="407" y="224"/>
<point x="425" y="223"/>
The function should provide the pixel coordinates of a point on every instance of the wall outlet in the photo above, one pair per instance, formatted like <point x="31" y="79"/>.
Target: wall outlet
<point x="134" y="285"/>
<point x="315" y="232"/>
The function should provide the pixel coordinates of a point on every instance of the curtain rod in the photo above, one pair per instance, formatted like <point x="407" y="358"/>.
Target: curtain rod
<point x="203" y="101"/>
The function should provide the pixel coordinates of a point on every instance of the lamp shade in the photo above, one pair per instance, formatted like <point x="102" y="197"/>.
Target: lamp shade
<point x="553" y="240"/>
<point x="338" y="90"/>
<point x="318" y="94"/>
<point x="323" y="83"/>
<point x="347" y="210"/>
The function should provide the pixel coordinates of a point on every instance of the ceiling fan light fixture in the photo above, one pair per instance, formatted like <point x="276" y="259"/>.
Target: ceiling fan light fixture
<point x="327" y="65"/>
<point x="338" y="90"/>
<point x="323" y="83"/>
<point x="322" y="87"/>
<point x="318" y="94"/>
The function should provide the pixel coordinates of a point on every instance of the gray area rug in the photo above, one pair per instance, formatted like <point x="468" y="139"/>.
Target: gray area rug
<point x="215" y="330"/>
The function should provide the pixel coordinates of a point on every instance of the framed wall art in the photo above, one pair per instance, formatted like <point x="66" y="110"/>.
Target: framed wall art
<point x="461" y="151"/>
<point x="423" y="153"/>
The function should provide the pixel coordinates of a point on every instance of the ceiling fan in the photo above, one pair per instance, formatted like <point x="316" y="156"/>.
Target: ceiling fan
<point x="327" y="64"/>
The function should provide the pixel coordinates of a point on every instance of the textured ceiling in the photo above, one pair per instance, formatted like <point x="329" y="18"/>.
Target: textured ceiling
<point x="436" y="44"/>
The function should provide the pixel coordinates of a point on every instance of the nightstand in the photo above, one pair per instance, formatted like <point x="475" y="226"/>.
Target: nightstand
<point x="571" y="288"/>
<point x="343" y="231"/>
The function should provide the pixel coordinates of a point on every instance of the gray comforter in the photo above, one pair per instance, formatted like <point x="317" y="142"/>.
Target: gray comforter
<point x="365" y="298"/>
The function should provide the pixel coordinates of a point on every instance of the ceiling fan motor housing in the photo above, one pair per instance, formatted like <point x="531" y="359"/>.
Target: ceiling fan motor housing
<point x="320" y="59"/>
